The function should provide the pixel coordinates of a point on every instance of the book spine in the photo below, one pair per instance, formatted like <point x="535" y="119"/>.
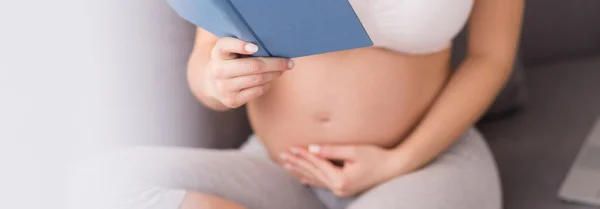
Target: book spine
<point x="259" y="42"/>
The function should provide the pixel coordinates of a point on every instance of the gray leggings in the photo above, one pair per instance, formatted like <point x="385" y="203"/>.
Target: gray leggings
<point x="463" y="177"/>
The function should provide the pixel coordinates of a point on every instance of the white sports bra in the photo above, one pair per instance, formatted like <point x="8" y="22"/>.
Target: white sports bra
<point x="413" y="26"/>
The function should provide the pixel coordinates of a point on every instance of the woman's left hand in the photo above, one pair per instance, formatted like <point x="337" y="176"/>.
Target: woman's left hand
<point x="364" y="166"/>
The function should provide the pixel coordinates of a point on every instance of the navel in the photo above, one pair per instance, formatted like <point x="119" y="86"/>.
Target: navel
<point x="322" y="117"/>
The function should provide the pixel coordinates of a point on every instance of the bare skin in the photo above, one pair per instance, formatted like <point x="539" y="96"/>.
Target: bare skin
<point x="323" y="96"/>
<point x="365" y="96"/>
<point x="377" y="93"/>
<point x="370" y="96"/>
<point x="195" y="200"/>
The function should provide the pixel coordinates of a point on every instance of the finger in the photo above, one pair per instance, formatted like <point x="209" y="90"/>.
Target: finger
<point x="228" y="48"/>
<point x="300" y="164"/>
<point x="238" y="83"/>
<point x="251" y="65"/>
<point x="327" y="167"/>
<point x="313" y="183"/>
<point x="245" y="95"/>
<point x="299" y="172"/>
<point x="305" y="176"/>
<point x="251" y="93"/>
<point x="335" y="152"/>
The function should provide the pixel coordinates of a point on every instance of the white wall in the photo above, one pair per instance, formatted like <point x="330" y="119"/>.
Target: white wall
<point x="77" y="76"/>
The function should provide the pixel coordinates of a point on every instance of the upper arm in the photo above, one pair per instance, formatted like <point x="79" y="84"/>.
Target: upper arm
<point x="495" y="28"/>
<point x="204" y="40"/>
<point x="203" y="44"/>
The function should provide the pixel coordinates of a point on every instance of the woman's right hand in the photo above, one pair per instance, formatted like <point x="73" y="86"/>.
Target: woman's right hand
<point x="234" y="78"/>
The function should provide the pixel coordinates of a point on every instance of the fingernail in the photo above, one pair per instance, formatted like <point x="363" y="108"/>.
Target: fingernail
<point x="294" y="150"/>
<point x="283" y="156"/>
<point x="291" y="64"/>
<point x="314" y="148"/>
<point x="251" y="48"/>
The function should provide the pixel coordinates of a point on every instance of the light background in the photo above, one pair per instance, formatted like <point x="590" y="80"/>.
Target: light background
<point x="80" y="76"/>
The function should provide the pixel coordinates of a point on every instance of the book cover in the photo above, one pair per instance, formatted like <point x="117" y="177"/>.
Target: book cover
<point x="281" y="28"/>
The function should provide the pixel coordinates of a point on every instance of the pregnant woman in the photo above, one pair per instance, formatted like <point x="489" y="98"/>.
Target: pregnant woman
<point x="383" y="127"/>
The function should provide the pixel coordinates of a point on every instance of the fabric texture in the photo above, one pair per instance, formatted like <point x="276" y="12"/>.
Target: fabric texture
<point x="560" y="30"/>
<point x="157" y="178"/>
<point x="154" y="178"/>
<point x="413" y="27"/>
<point x="468" y="163"/>
<point x="536" y="147"/>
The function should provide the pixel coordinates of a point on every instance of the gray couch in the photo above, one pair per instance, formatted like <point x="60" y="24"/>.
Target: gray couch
<point x="558" y="100"/>
<point x="535" y="147"/>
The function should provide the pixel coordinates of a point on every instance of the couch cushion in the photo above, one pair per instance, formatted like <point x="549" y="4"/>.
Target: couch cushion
<point x="537" y="146"/>
<point x="555" y="29"/>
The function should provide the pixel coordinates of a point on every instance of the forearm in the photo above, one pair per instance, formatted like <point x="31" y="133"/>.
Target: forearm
<point x="467" y="95"/>
<point x="197" y="65"/>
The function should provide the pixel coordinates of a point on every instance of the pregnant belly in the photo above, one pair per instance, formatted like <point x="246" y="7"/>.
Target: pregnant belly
<point x="366" y="96"/>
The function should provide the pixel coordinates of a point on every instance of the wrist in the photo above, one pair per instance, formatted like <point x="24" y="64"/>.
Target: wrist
<point x="207" y="91"/>
<point x="400" y="162"/>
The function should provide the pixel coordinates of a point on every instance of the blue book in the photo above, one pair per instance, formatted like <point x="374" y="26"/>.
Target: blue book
<point x="281" y="28"/>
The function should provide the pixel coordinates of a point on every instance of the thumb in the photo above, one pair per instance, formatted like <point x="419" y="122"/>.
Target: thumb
<point x="334" y="152"/>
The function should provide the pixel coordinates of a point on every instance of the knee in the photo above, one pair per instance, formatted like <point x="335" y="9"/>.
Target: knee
<point x="99" y="181"/>
<point x="431" y="196"/>
<point x="465" y="177"/>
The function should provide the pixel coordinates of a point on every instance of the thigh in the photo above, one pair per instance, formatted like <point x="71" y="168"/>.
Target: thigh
<point x="152" y="177"/>
<point x="464" y="176"/>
